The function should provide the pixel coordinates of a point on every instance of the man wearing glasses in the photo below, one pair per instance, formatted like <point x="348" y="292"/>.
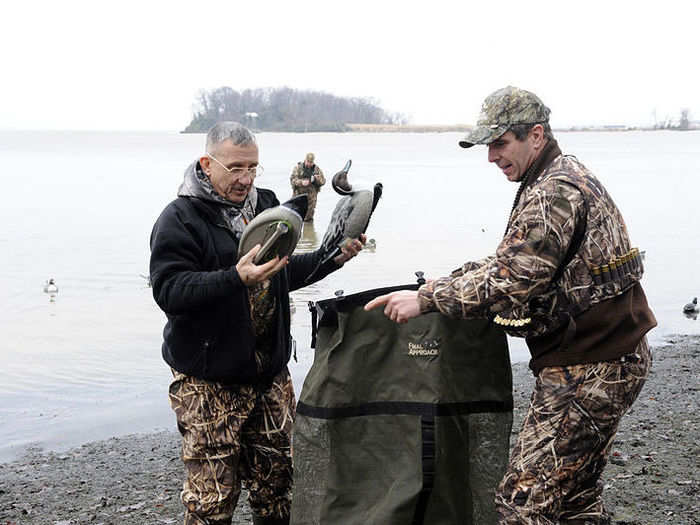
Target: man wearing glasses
<point x="227" y="337"/>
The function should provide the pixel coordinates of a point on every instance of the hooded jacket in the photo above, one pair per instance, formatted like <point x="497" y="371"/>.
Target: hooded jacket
<point x="209" y="332"/>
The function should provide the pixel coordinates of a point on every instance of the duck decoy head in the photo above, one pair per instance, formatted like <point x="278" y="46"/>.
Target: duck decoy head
<point x="340" y="181"/>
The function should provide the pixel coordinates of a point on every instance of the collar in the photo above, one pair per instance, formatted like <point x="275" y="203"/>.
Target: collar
<point x="550" y="152"/>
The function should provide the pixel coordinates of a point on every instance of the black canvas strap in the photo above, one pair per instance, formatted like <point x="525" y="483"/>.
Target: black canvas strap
<point x="427" y="426"/>
<point x="314" y="319"/>
<point x="574" y="245"/>
<point x="389" y="408"/>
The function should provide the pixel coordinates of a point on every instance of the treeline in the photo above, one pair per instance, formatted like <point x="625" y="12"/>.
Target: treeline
<point x="286" y="109"/>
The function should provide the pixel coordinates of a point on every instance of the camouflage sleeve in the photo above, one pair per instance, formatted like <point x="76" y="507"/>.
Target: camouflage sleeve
<point x="319" y="179"/>
<point x="295" y="178"/>
<point x="524" y="263"/>
<point x="471" y="265"/>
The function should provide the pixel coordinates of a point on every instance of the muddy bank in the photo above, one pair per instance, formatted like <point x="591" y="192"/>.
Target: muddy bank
<point x="653" y="476"/>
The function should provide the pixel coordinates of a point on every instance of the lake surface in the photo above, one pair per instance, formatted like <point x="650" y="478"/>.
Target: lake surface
<point x="78" y="207"/>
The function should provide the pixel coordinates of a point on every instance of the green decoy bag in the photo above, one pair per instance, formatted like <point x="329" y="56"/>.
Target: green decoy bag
<point x="404" y="424"/>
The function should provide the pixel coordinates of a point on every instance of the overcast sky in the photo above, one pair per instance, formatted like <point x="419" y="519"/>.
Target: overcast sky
<point x="138" y="65"/>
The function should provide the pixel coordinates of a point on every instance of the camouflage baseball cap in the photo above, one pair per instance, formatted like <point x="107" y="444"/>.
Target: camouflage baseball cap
<point x="501" y="110"/>
<point x="310" y="157"/>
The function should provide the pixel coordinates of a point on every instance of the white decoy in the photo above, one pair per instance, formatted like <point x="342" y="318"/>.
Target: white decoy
<point x="371" y="245"/>
<point x="691" y="307"/>
<point x="51" y="289"/>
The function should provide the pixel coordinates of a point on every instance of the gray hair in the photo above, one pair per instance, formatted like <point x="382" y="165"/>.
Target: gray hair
<point x="521" y="130"/>
<point x="229" y="130"/>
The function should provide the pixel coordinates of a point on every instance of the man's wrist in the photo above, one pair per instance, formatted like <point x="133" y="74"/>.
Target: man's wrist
<point x="425" y="298"/>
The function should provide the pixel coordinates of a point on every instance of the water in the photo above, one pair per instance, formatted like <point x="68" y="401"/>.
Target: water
<point x="79" y="207"/>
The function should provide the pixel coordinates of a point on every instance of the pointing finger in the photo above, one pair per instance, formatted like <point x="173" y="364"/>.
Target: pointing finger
<point x="377" y="301"/>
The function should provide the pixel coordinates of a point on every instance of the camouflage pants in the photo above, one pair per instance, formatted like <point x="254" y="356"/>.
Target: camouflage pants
<point x="234" y="435"/>
<point x="312" y="196"/>
<point x="553" y="476"/>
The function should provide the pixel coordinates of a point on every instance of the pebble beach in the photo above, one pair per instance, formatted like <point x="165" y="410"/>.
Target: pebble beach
<point x="653" y="475"/>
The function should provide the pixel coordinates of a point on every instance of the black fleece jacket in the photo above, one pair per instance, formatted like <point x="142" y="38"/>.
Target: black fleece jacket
<point x="209" y="333"/>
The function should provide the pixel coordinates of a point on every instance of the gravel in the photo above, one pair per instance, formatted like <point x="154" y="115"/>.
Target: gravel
<point x="653" y="476"/>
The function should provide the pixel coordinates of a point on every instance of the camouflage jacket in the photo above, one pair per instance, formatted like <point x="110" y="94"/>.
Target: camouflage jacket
<point x="298" y="176"/>
<point x="533" y="284"/>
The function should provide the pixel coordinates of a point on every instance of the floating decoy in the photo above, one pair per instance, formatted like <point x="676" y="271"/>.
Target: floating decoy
<point x="370" y="245"/>
<point x="350" y="217"/>
<point x="51" y="289"/>
<point x="691" y="307"/>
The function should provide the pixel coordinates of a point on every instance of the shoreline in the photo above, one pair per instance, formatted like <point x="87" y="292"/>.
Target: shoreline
<point x="451" y="128"/>
<point x="463" y="128"/>
<point x="653" y="475"/>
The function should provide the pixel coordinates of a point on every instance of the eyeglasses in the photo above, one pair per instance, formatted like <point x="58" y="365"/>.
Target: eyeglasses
<point x="253" y="171"/>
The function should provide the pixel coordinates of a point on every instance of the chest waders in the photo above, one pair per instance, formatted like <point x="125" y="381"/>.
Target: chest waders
<point x="400" y="424"/>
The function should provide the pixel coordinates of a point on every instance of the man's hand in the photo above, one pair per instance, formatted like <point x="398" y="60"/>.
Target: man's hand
<point x="400" y="306"/>
<point x="252" y="274"/>
<point x="350" y="249"/>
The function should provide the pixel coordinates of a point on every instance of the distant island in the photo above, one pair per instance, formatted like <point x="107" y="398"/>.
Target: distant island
<point x="293" y="110"/>
<point x="287" y="109"/>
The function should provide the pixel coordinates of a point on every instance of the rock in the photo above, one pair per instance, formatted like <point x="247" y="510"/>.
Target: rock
<point x="618" y="460"/>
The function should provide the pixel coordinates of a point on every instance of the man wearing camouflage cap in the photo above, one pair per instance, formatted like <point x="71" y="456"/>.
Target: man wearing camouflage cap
<point x="566" y="278"/>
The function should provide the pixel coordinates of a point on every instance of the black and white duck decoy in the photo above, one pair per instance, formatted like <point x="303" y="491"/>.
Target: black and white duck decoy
<point x="691" y="307"/>
<point x="351" y="215"/>
<point x="51" y="289"/>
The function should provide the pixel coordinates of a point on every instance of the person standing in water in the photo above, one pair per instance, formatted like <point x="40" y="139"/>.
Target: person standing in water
<point x="307" y="178"/>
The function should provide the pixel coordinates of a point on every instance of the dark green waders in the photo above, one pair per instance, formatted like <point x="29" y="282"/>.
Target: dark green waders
<point x="401" y="424"/>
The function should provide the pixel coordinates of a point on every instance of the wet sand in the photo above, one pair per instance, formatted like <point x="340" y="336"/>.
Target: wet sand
<point x="653" y="476"/>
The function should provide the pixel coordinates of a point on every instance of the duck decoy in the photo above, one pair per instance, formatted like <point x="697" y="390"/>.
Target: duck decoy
<point x="51" y="289"/>
<point x="350" y="217"/>
<point x="276" y="229"/>
<point x="691" y="307"/>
